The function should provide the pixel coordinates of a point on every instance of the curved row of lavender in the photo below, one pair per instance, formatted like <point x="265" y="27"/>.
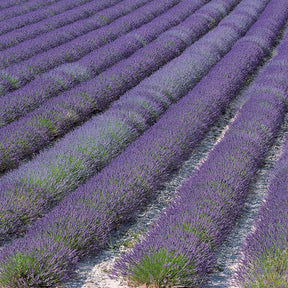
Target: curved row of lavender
<point x="265" y="250"/>
<point x="72" y="12"/>
<point x="83" y="220"/>
<point x="4" y="4"/>
<point x="47" y="178"/>
<point x="83" y="34"/>
<point x="21" y="9"/>
<point x="111" y="83"/>
<point x="180" y="248"/>
<point x="38" y="15"/>
<point x="18" y="103"/>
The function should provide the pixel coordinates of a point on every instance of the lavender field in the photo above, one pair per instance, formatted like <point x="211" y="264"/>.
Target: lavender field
<point x="144" y="143"/>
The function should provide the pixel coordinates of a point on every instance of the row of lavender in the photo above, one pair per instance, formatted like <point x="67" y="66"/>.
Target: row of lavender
<point x="64" y="77"/>
<point x="180" y="248"/>
<point x="28" y="191"/>
<point x="66" y="17"/>
<point x="265" y="250"/>
<point x="32" y="132"/>
<point x="38" y="15"/>
<point x="83" y="220"/>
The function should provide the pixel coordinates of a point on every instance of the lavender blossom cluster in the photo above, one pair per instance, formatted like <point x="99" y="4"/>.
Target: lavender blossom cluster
<point x="83" y="219"/>
<point x="59" y="114"/>
<point x="47" y="178"/>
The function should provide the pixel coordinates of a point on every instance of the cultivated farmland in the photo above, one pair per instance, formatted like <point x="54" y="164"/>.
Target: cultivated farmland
<point x="143" y="143"/>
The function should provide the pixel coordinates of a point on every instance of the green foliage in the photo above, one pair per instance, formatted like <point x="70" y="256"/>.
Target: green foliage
<point x="159" y="269"/>
<point x="274" y="270"/>
<point x="18" y="267"/>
